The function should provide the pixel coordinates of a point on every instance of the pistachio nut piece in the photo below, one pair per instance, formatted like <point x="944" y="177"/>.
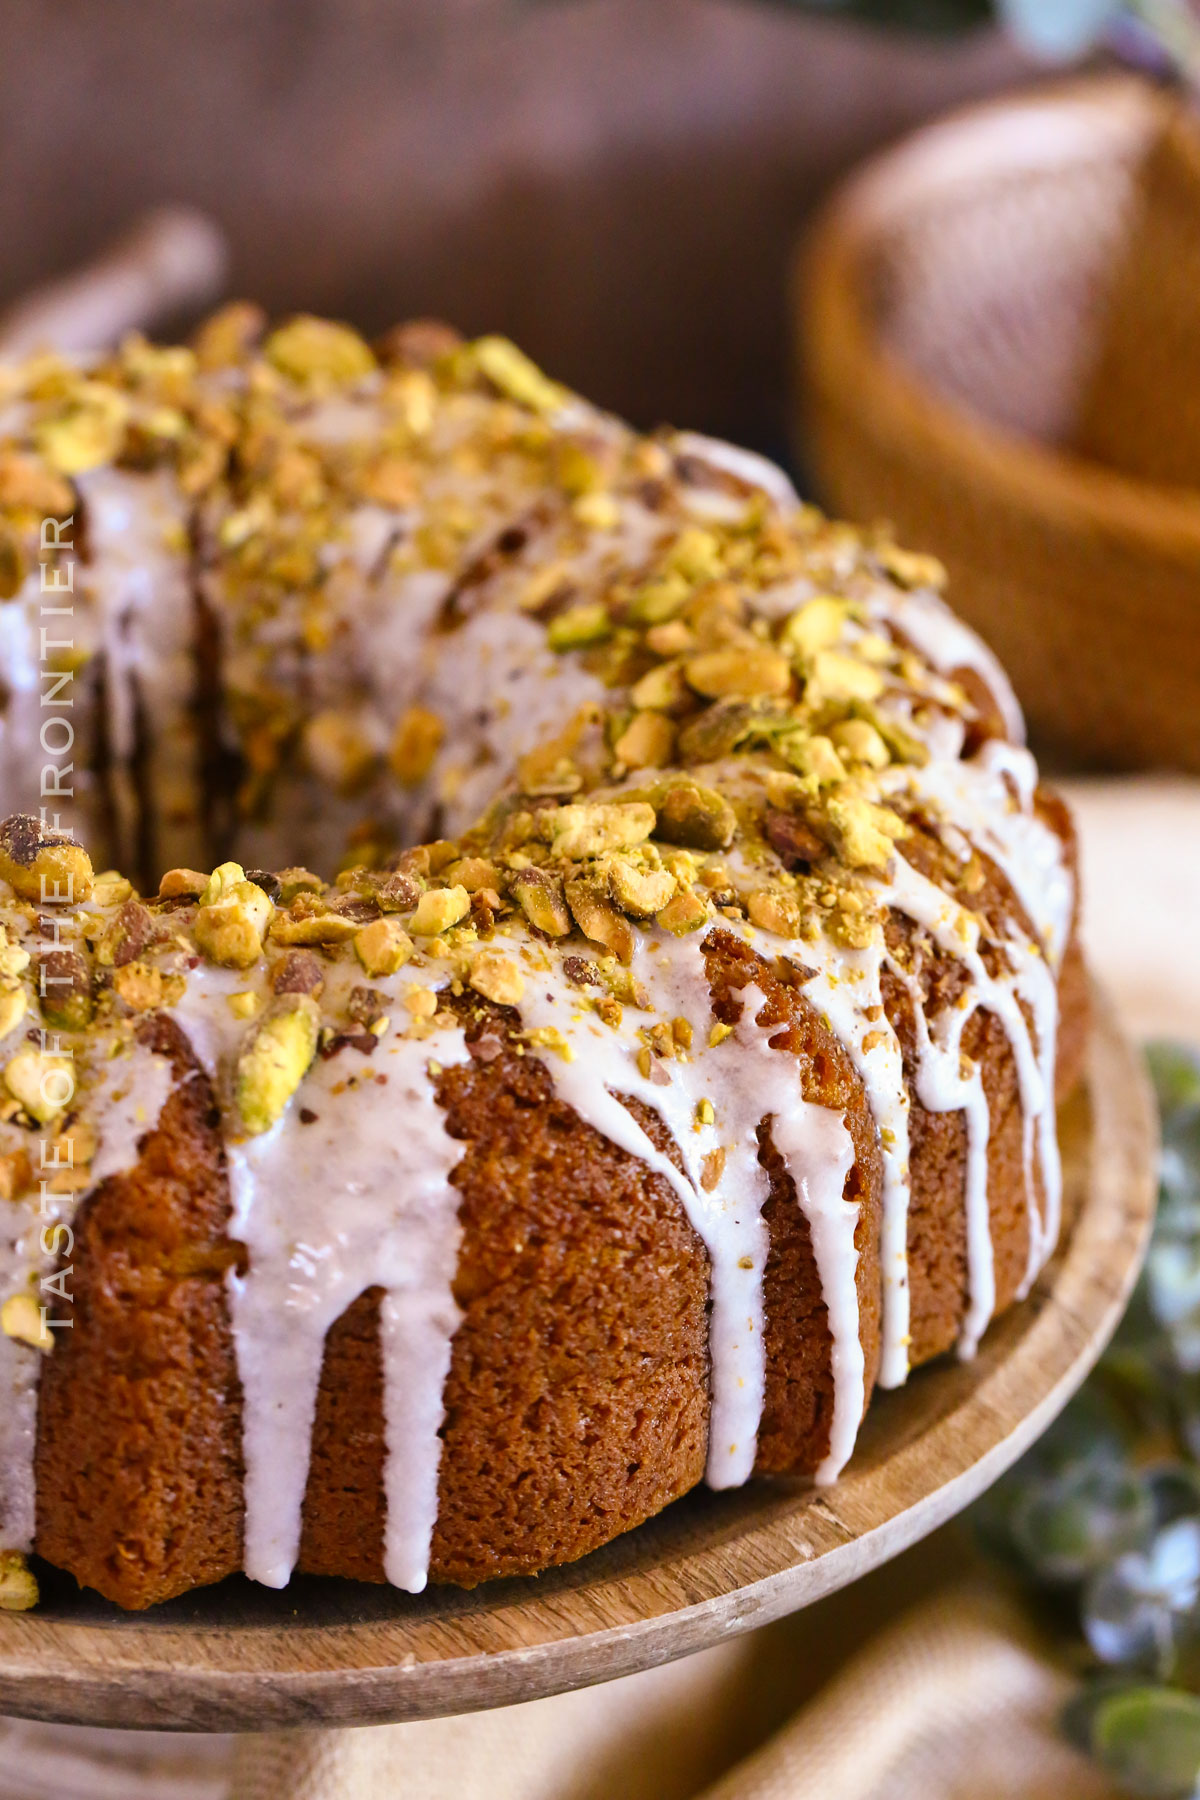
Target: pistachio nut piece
<point x="276" y="1059"/>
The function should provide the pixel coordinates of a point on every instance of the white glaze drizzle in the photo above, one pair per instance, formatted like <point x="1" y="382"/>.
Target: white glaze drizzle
<point x="359" y="1197"/>
<point x="819" y="1154"/>
<point x="846" y="990"/>
<point x="515" y="692"/>
<point x="945" y="1085"/>
<point x="19" y="1369"/>
<point x="119" y="1101"/>
<point x="745" y="465"/>
<point x="973" y="798"/>
<point x="976" y="799"/>
<point x="728" y="1219"/>
<point x="138" y="586"/>
<point x="130" y="1094"/>
<point x="947" y="644"/>
<point x="745" y="1081"/>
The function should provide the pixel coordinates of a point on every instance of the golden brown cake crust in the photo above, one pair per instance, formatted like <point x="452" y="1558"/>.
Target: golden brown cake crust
<point x="797" y="1416"/>
<point x="937" y="1232"/>
<point x="139" y="1450"/>
<point x="674" y="725"/>
<point x="577" y="1400"/>
<point x="577" y="1395"/>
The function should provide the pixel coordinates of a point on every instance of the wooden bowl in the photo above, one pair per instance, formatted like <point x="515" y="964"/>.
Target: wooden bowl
<point x="1000" y="353"/>
<point x="240" y="1657"/>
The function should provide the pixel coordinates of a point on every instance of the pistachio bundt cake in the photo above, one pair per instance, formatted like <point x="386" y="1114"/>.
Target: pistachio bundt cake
<point x="695" y="1072"/>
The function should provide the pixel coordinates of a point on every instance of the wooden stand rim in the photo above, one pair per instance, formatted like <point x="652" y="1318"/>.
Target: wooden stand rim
<point x="325" y="1653"/>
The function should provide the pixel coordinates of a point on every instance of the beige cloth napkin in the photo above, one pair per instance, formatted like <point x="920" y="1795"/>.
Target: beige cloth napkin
<point x="955" y="1701"/>
<point x="1140" y="840"/>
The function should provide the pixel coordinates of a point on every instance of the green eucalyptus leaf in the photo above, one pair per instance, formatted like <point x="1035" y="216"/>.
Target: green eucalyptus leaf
<point x="1174" y="1489"/>
<point x="1088" y="1432"/>
<point x="1179" y="1176"/>
<point x="1105" y="1512"/>
<point x="1173" y="1281"/>
<point x="1149" y="1738"/>
<point x="1175" y="1072"/>
<point x="1080" y="1520"/>
<point x="1141" y="1608"/>
<point x="1127" y="1623"/>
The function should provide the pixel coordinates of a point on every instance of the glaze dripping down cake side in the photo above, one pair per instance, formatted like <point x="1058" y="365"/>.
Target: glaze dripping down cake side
<point x="671" y="1058"/>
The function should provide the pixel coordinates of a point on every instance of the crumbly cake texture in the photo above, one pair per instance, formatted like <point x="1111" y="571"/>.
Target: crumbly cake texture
<point x="695" y="1072"/>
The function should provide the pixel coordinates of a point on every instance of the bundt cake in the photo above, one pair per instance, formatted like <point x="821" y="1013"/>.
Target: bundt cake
<point x="664" y="1054"/>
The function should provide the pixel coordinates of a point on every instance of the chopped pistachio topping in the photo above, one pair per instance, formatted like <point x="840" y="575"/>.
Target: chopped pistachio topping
<point x="42" y="865"/>
<point x="598" y="918"/>
<point x="540" y="897"/>
<point x="646" y="742"/>
<point x="44" y="1085"/>
<point x="64" y="987"/>
<point x="223" y="878"/>
<point x="383" y="946"/>
<point x="514" y="374"/>
<point x="16" y="1174"/>
<point x="575" y="832"/>
<point x="13" y="959"/>
<point x="310" y="349"/>
<point x="18" y="1583"/>
<point x="339" y="751"/>
<point x="417" y="739"/>
<point x="13" y="1005"/>
<point x="579" y="626"/>
<point x="859" y="742"/>
<point x="639" y="887"/>
<point x="685" y="912"/>
<point x="112" y="889"/>
<point x="143" y="987"/>
<point x="276" y="1060"/>
<point x="717" y="674"/>
<point x="420" y="1002"/>
<point x="497" y="977"/>
<point x="817" y="625"/>
<point x="735" y="759"/>
<point x="310" y="920"/>
<point x="863" y="834"/>
<point x="438" y="909"/>
<point x="85" y="430"/>
<point x="777" y="911"/>
<point x="182" y="884"/>
<point x="230" y="929"/>
<point x="21" y="1318"/>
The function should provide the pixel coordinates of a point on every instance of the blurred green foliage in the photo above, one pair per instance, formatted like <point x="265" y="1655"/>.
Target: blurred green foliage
<point x="1103" y="1514"/>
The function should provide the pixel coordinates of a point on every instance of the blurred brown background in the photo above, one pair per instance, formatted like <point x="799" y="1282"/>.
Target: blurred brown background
<point x="617" y="183"/>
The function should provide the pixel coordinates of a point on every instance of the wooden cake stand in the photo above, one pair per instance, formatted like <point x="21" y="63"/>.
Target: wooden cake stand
<point x="324" y="1652"/>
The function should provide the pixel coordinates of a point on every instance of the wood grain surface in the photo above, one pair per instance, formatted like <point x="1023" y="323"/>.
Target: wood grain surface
<point x="240" y="1657"/>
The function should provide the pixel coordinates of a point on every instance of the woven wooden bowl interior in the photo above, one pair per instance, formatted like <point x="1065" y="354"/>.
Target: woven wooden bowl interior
<point x="1000" y="353"/>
